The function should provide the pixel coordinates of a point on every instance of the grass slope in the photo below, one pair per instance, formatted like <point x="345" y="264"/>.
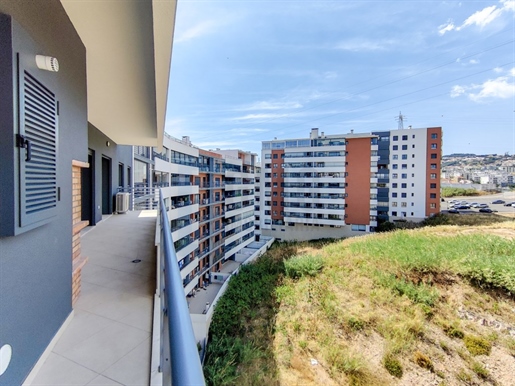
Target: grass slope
<point x="411" y="307"/>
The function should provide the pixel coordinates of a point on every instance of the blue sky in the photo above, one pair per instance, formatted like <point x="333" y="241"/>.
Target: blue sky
<point x="247" y="71"/>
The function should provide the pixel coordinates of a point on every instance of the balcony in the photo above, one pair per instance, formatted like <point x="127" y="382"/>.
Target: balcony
<point x="110" y="333"/>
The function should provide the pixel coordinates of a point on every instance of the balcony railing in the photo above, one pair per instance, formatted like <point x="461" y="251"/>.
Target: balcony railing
<point x="179" y="360"/>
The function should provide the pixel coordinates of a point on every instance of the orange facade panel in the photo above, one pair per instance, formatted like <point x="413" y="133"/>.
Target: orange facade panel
<point x="358" y="163"/>
<point x="277" y="184"/>
<point x="433" y="167"/>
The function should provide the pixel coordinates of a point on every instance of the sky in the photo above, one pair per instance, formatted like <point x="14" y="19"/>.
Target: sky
<point x="246" y="71"/>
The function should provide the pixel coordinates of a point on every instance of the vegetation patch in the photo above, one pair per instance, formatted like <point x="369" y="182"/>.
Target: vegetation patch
<point x="392" y="365"/>
<point x="423" y="361"/>
<point x="303" y="265"/>
<point x="477" y="345"/>
<point x="420" y="293"/>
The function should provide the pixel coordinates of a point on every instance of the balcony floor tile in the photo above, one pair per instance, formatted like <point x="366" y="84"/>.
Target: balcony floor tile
<point x="108" y="340"/>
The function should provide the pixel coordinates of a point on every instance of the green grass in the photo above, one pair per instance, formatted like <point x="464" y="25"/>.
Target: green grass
<point x="486" y="260"/>
<point x="303" y="265"/>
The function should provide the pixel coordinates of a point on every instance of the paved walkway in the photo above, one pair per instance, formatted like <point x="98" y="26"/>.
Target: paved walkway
<point x="108" y="339"/>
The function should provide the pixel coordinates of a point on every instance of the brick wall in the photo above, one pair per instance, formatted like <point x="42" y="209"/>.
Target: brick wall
<point x="78" y="260"/>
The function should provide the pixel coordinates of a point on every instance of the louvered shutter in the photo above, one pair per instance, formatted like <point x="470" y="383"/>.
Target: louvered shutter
<point x="38" y="125"/>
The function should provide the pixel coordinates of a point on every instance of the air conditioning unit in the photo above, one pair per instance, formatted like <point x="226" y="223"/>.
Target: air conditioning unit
<point x="122" y="202"/>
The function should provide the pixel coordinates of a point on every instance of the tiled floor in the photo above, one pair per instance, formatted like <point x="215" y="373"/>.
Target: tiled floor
<point x="108" y="339"/>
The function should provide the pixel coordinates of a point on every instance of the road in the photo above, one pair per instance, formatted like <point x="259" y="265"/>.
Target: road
<point x="503" y="210"/>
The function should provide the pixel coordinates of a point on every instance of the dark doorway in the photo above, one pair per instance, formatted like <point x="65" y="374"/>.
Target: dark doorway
<point x="106" y="186"/>
<point x="87" y="190"/>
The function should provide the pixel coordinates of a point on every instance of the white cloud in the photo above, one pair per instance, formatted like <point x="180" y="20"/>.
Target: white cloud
<point x="502" y="87"/>
<point x="203" y="28"/>
<point x="496" y="88"/>
<point x="267" y="105"/>
<point x="245" y="131"/>
<point x="457" y="91"/>
<point x="473" y="61"/>
<point x="357" y="45"/>
<point x="442" y="29"/>
<point x="480" y="18"/>
<point x="250" y="117"/>
<point x="483" y="17"/>
<point x="498" y="70"/>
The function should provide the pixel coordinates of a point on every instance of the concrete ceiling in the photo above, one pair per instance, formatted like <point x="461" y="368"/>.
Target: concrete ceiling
<point x="128" y="47"/>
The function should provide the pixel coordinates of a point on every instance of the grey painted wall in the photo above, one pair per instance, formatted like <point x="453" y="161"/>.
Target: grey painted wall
<point x="97" y="141"/>
<point x="36" y="266"/>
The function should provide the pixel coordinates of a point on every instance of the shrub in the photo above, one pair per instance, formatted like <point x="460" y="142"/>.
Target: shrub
<point x="423" y="361"/>
<point x="392" y="365"/>
<point x="303" y="265"/>
<point x="477" y="345"/>
<point x="480" y="370"/>
<point x="421" y="293"/>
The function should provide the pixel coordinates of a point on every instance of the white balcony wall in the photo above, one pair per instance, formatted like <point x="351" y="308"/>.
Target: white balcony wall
<point x="235" y="212"/>
<point x="337" y="201"/>
<point x="232" y="200"/>
<point x="184" y="231"/>
<point x="168" y="167"/>
<point x="230" y="187"/>
<point x="182" y="211"/>
<point x="190" y="267"/>
<point x="314" y="221"/>
<point x="239" y="247"/>
<point x="175" y="191"/>
<point x="315" y="190"/>
<point x="189" y="287"/>
<point x="180" y="147"/>
<point x="233" y="225"/>
<point x="315" y="210"/>
<point x="340" y="158"/>
<point x="187" y="250"/>
<point x="232" y="238"/>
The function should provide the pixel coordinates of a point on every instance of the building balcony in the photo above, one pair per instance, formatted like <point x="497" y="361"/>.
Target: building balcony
<point x="109" y="335"/>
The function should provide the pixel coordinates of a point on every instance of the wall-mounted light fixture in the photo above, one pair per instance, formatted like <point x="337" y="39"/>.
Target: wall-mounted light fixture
<point x="47" y="63"/>
<point x="108" y="143"/>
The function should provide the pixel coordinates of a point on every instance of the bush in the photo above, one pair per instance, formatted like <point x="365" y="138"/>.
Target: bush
<point x="451" y="192"/>
<point x="303" y="265"/>
<point x="392" y="365"/>
<point x="423" y="361"/>
<point x="477" y="345"/>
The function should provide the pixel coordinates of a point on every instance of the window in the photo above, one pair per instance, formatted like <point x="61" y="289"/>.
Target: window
<point x="434" y="156"/>
<point x="403" y="195"/>
<point x="403" y="185"/>
<point x="404" y="156"/>
<point x="434" y="146"/>
<point x="361" y="228"/>
<point x="395" y="147"/>
<point x="432" y="195"/>
<point x="404" y="147"/>
<point x="274" y="203"/>
<point x="404" y="137"/>
<point x="413" y="146"/>
<point x="404" y="166"/>
<point x="432" y="205"/>
<point x="434" y="136"/>
<point x="432" y="186"/>
<point x="395" y="137"/>
<point x="394" y="213"/>
<point x="433" y="166"/>
<point x="394" y="194"/>
<point x="413" y="135"/>
<point x="413" y="156"/>
<point x="395" y="156"/>
<point x="275" y="156"/>
<point x="394" y="166"/>
<point x="395" y="175"/>
<point x="275" y="165"/>
<point x="404" y="175"/>
<point x="433" y="176"/>
<point x="394" y="185"/>
<point x="404" y="204"/>
<point x="412" y="165"/>
<point x="394" y="203"/>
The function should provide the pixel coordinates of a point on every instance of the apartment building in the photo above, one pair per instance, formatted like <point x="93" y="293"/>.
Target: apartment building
<point x="210" y="200"/>
<point x="330" y="186"/>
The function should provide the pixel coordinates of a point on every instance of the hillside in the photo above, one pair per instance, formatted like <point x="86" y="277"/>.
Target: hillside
<point x="430" y="306"/>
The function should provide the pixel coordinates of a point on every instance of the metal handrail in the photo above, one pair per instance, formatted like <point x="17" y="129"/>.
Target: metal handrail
<point x="184" y="362"/>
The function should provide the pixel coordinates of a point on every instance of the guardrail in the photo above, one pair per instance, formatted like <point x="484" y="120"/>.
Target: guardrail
<point x="180" y="360"/>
